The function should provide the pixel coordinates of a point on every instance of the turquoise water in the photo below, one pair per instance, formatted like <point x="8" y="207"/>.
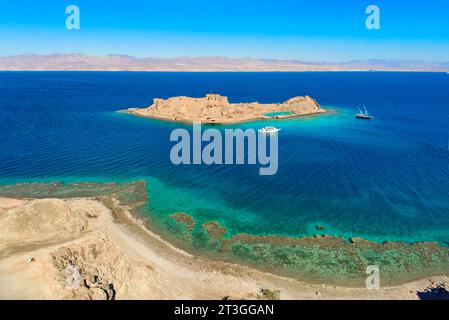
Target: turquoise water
<point x="278" y="114"/>
<point x="387" y="179"/>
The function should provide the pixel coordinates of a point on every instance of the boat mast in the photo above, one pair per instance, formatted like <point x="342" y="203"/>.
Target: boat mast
<point x="360" y="110"/>
<point x="366" y="111"/>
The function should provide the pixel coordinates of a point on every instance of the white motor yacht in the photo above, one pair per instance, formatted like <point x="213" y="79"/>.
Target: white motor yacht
<point x="269" y="130"/>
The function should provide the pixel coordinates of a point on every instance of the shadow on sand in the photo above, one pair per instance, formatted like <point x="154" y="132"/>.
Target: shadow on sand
<point x="437" y="293"/>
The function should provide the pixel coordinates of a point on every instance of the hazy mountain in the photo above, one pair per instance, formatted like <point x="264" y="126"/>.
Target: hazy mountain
<point x="130" y="63"/>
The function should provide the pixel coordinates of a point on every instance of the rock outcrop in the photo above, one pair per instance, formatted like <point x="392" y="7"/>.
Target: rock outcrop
<point x="214" y="108"/>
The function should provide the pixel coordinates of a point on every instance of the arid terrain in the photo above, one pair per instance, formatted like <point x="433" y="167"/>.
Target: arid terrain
<point x="117" y="62"/>
<point x="214" y="108"/>
<point x="92" y="248"/>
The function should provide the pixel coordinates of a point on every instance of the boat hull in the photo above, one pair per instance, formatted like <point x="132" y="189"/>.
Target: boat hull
<point x="364" y="117"/>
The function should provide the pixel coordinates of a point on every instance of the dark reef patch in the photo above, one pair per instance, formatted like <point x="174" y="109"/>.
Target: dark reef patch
<point x="184" y="219"/>
<point x="326" y="258"/>
<point x="131" y="194"/>
<point x="214" y="229"/>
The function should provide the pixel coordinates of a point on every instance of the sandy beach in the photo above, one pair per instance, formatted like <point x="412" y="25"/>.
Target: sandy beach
<point x="93" y="248"/>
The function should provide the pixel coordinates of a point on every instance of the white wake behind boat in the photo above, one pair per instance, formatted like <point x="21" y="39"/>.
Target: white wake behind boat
<point x="269" y="130"/>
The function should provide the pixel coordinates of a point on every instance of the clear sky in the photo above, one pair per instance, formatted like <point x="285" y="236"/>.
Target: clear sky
<point x="312" y="30"/>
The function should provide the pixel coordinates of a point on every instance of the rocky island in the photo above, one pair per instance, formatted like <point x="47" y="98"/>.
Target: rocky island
<point x="214" y="108"/>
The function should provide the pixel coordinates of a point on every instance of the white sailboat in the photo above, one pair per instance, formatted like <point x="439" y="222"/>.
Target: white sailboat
<point x="363" y="115"/>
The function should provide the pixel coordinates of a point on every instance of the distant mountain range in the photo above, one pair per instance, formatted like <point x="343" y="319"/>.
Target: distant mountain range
<point x="130" y="63"/>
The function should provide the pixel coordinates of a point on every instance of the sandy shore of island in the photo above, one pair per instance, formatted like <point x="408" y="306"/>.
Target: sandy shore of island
<point x="81" y="249"/>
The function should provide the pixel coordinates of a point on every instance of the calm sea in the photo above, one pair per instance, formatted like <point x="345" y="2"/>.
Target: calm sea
<point x="385" y="179"/>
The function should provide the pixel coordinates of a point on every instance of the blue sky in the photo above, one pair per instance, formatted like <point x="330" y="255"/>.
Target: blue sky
<point x="318" y="30"/>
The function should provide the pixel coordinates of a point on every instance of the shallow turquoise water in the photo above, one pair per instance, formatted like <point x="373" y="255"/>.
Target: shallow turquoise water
<point x="383" y="180"/>
<point x="277" y="114"/>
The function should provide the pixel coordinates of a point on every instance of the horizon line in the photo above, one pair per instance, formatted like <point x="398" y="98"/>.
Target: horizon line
<point x="120" y="62"/>
<point x="439" y="62"/>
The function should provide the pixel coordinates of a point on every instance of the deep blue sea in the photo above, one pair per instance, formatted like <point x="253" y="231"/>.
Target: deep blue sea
<point x="384" y="179"/>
